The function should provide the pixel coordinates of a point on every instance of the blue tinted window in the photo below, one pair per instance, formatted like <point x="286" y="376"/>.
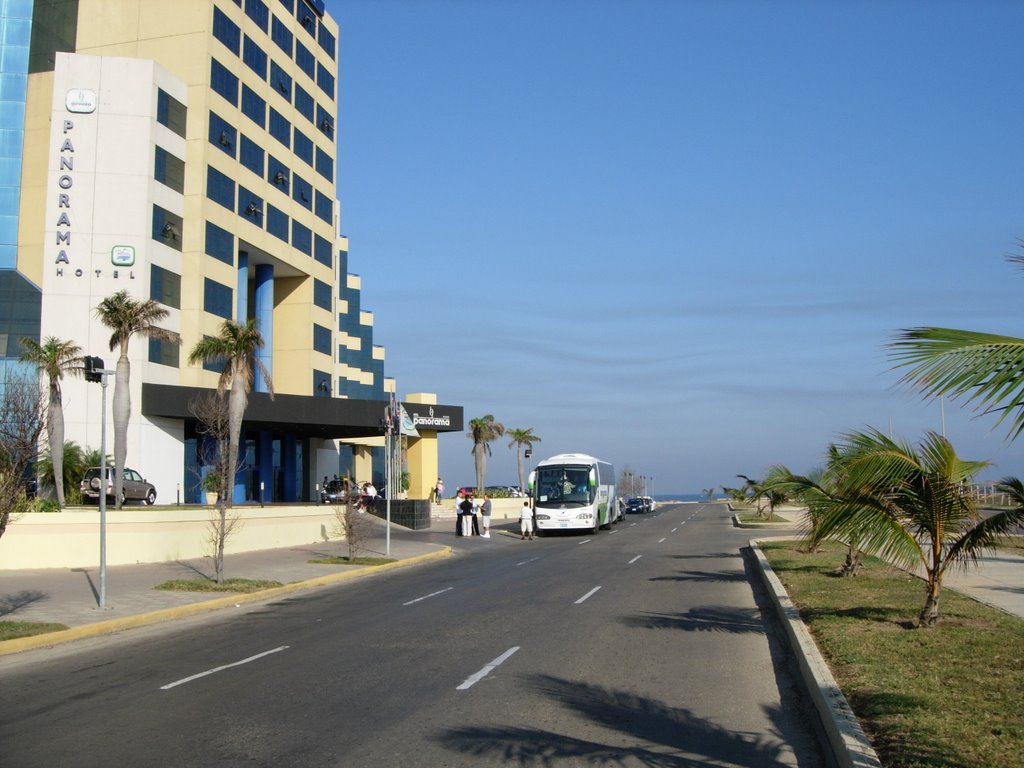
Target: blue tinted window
<point x="169" y="112"/>
<point x="250" y="206"/>
<point x="304" y="103"/>
<point x="222" y="134"/>
<point x="280" y="128"/>
<point x="277" y="174"/>
<point x="324" y="164"/>
<point x="302" y="237"/>
<point x="277" y="223"/>
<point x="169" y="170"/>
<point x="217" y="298"/>
<point x="306" y="17"/>
<point x="164" y="352"/>
<point x="325" y="79"/>
<point x="165" y="286"/>
<point x="321" y="339"/>
<point x="255" y="58"/>
<point x="220" y="188"/>
<point x="251" y="155"/>
<point x="305" y="59"/>
<point x="253" y="107"/>
<point x="223" y="82"/>
<point x="281" y="81"/>
<point x="289" y="4"/>
<point x="326" y="40"/>
<point x="225" y="30"/>
<point x="325" y="121"/>
<point x="302" y="192"/>
<point x="281" y="35"/>
<point x="324" y="207"/>
<point x="302" y="145"/>
<point x="257" y="11"/>
<point x="322" y="294"/>
<point x="220" y="243"/>
<point x="322" y="250"/>
<point x="167" y="228"/>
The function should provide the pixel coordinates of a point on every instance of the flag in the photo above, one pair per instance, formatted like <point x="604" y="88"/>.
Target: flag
<point x="406" y="425"/>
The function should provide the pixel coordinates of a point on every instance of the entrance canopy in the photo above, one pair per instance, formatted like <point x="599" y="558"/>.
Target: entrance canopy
<point x="328" y="418"/>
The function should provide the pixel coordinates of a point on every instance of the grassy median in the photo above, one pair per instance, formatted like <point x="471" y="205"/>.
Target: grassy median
<point x="950" y="696"/>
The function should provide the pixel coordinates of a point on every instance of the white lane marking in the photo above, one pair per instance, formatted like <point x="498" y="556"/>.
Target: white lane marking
<point x="528" y="561"/>
<point x="585" y="541"/>
<point x="615" y="531"/>
<point x="472" y="680"/>
<point x="221" y="668"/>
<point x="674" y="530"/>
<point x="432" y="594"/>
<point x="634" y="559"/>
<point x="590" y="593"/>
<point x="661" y="541"/>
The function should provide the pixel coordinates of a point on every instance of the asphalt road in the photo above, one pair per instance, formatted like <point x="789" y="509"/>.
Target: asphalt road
<point x="640" y="646"/>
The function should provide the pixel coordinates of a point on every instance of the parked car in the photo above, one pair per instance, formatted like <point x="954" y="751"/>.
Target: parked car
<point x="134" y="486"/>
<point x="649" y="502"/>
<point x="334" y="492"/>
<point x="635" y="506"/>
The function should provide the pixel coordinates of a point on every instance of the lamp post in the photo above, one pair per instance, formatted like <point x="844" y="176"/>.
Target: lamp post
<point x="96" y="373"/>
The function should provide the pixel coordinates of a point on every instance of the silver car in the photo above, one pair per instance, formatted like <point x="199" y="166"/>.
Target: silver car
<point x="134" y="486"/>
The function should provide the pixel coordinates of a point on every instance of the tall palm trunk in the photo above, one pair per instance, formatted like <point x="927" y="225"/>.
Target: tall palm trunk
<point x="55" y="435"/>
<point x="480" y="456"/>
<point x="519" y="466"/>
<point x="121" y="411"/>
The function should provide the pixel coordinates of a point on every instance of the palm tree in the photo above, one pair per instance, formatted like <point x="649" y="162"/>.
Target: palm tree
<point x="910" y="506"/>
<point x="125" y="317"/>
<point x="482" y="432"/>
<point x="983" y="368"/>
<point x="73" y="468"/>
<point x="54" y="357"/>
<point x="237" y="346"/>
<point x="521" y="438"/>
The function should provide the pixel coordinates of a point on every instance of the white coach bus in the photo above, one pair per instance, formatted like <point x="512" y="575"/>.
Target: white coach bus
<point x="573" y="491"/>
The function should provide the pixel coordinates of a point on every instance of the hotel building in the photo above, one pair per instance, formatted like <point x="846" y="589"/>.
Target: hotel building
<point x="186" y="152"/>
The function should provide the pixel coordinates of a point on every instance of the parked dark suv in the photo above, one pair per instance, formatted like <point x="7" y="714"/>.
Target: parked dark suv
<point x="134" y="486"/>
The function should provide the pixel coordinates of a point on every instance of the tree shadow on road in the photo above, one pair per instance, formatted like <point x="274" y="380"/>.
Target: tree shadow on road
<point x="708" y="619"/>
<point x="642" y="732"/>
<point x="11" y="603"/>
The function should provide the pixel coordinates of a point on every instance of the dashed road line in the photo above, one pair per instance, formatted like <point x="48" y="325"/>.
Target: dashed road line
<point x="475" y="678"/>
<point x="221" y="668"/>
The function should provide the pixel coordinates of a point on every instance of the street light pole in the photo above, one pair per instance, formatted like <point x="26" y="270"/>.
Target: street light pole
<point x="95" y="372"/>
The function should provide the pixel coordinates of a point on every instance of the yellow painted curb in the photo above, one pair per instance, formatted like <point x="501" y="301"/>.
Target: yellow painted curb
<point x="111" y="626"/>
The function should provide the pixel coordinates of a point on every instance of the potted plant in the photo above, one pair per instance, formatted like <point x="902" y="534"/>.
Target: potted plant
<point x="211" y="486"/>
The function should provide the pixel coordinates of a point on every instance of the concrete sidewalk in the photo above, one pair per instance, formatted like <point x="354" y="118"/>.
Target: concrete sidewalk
<point x="70" y="596"/>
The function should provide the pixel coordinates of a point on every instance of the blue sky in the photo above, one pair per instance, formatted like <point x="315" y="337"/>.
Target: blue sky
<point x="678" y="235"/>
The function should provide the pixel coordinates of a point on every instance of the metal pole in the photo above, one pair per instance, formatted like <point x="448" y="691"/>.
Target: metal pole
<point x="388" y="458"/>
<point x="103" y="494"/>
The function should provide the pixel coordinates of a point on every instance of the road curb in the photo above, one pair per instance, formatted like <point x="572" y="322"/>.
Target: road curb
<point x="849" y="744"/>
<point x="112" y="626"/>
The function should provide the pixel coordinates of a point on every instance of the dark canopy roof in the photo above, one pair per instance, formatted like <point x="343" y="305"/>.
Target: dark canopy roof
<point x="302" y="416"/>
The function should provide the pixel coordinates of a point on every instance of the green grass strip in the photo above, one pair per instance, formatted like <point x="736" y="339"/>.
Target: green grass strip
<point x="11" y="630"/>
<point x="950" y="696"/>
<point x="209" y="585"/>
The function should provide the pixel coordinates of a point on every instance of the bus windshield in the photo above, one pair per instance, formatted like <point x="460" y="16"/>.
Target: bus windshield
<point x="564" y="486"/>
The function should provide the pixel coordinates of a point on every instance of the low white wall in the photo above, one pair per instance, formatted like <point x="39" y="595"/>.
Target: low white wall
<point x="71" y="538"/>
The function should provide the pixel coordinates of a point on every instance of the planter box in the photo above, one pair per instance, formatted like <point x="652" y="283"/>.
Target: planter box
<point x="410" y="513"/>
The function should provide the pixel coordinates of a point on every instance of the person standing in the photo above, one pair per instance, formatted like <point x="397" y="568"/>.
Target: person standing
<point x="467" y="515"/>
<point x="371" y="497"/>
<point x="458" y="514"/>
<point x="526" y="521"/>
<point x="438" y="491"/>
<point x="485" y="514"/>
<point x="476" y="521"/>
